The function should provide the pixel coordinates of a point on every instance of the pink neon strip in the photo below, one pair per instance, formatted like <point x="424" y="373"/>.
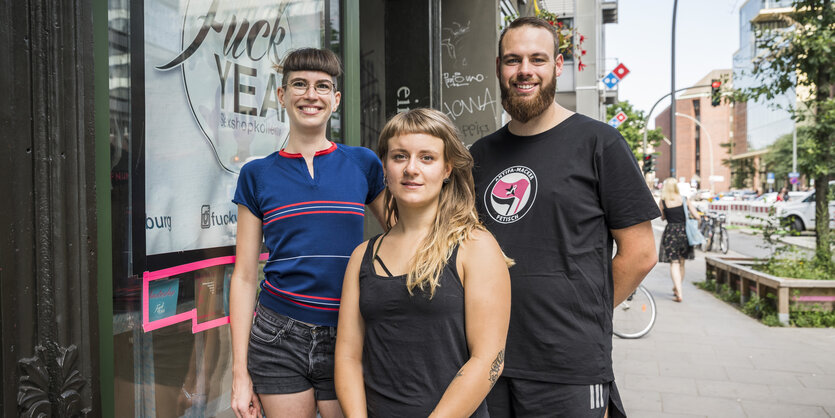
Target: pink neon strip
<point x="203" y="326"/>
<point x="149" y="276"/>
<point x="185" y="268"/>
<point x="171" y="320"/>
<point x="815" y="298"/>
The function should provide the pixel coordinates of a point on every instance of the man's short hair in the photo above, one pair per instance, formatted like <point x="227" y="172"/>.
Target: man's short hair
<point x="310" y="59"/>
<point x="532" y="22"/>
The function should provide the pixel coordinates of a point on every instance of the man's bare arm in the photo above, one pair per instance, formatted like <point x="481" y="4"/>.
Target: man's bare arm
<point x="636" y="256"/>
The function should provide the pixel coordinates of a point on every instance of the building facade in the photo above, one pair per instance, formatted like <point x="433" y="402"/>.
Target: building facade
<point x="759" y="123"/>
<point x="701" y="131"/>
<point x="764" y="122"/>
<point x="581" y="90"/>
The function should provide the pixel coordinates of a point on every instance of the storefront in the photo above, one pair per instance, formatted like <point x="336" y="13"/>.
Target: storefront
<point x="157" y="104"/>
<point x="192" y="99"/>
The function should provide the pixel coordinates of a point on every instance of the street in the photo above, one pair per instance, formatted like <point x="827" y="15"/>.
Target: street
<point x="705" y="358"/>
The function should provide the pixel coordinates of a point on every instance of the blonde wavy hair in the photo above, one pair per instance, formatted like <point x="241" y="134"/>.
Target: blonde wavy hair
<point x="457" y="216"/>
<point x="669" y="190"/>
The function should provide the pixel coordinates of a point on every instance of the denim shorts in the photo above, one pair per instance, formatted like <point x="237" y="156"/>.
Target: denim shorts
<point x="289" y="356"/>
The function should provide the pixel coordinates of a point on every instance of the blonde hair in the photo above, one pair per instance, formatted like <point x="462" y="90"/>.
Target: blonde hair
<point x="457" y="216"/>
<point x="670" y="189"/>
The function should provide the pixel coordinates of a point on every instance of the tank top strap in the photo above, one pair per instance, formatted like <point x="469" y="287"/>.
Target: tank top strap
<point x="452" y="264"/>
<point x="368" y="257"/>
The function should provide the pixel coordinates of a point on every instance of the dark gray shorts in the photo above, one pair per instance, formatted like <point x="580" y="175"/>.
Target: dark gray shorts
<point x="514" y="397"/>
<point x="289" y="356"/>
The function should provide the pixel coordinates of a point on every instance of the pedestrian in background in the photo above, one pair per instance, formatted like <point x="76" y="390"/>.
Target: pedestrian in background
<point x="307" y="202"/>
<point x="783" y="196"/>
<point x="675" y="248"/>
<point x="556" y="188"/>
<point x="423" y="333"/>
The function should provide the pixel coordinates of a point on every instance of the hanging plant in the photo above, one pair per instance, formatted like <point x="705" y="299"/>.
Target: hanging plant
<point x="569" y="39"/>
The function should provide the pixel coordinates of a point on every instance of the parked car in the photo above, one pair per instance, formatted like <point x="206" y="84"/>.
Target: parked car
<point x="799" y="212"/>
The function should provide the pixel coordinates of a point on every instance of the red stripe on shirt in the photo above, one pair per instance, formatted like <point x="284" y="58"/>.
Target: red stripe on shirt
<point x="299" y="303"/>
<point x="314" y="212"/>
<point x="298" y="294"/>
<point x="325" y="151"/>
<point x="313" y="202"/>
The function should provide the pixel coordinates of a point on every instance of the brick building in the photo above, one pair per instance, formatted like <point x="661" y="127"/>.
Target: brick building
<point x="699" y="150"/>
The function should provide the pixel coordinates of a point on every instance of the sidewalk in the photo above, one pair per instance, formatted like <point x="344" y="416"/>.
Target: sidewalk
<point x="805" y="241"/>
<point x="704" y="358"/>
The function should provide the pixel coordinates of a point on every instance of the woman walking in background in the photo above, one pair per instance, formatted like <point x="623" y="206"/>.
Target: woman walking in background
<point x="423" y="333"/>
<point x="674" y="247"/>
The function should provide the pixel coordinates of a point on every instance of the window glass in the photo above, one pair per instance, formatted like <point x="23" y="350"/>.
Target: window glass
<point x="192" y="99"/>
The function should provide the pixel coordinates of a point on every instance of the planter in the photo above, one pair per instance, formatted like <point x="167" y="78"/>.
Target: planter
<point x="738" y="274"/>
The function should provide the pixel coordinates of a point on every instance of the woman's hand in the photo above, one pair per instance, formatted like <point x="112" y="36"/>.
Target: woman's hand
<point x="245" y="402"/>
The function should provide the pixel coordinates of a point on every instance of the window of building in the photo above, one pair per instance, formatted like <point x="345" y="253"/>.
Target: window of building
<point x="192" y="99"/>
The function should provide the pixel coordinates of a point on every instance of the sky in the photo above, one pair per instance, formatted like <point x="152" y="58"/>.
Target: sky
<point x="707" y="35"/>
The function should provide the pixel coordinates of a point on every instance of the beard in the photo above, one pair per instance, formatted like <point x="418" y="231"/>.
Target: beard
<point x="522" y="108"/>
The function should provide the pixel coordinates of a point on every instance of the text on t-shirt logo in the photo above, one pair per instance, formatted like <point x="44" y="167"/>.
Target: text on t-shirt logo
<point x="511" y="194"/>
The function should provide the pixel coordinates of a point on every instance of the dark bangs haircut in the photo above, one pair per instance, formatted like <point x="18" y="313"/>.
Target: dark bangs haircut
<point x="310" y="59"/>
<point x="534" y="22"/>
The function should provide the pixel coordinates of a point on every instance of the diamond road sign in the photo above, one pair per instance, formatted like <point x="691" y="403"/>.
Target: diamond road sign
<point x="617" y="119"/>
<point x="610" y="80"/>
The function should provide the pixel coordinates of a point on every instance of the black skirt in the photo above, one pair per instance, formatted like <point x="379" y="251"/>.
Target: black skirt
<point x="674" y="245"/>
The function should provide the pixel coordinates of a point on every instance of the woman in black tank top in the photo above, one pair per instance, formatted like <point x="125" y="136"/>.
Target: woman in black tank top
<point x="674" y="247"/>
<point x="425" y="307"/>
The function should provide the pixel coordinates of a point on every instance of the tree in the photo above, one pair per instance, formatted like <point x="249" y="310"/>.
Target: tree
<point x="802" y="55"/>
<point x="633" y="128"/>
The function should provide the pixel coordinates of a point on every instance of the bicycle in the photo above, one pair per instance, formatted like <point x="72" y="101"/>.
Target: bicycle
<point x="724" y="237"/>
<point x="710" y="224"/>
<point x="635" y="316"/>
<point x="706" y="228"/>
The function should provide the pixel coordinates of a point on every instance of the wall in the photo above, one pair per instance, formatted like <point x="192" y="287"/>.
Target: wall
<point x="469" y="87"/>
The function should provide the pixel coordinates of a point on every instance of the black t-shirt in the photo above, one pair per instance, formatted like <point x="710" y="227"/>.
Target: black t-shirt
<point x="550" y="199"/>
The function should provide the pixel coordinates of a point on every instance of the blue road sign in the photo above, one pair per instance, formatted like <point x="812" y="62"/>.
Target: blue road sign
<point x="611" y="80"/>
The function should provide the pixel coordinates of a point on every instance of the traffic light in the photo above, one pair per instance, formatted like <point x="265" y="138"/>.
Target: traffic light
<point x="715" y="97"/>
<point x="648" y="163"/>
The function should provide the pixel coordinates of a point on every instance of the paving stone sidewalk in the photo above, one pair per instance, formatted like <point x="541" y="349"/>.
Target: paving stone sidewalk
<point x="705" y="358"/>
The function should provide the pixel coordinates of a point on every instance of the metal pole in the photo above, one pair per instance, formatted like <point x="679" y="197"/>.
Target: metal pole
<point x="794" y="154"/>
<point x="673" y="96"/>
<point x="709" y="145"/>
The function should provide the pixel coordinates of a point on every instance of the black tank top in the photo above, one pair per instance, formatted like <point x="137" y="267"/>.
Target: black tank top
<point x="675" y="214"/>
<point x="414" y="346"/>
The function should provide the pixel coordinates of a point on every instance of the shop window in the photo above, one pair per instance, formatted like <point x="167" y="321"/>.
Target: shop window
<point x="192" y="99"/>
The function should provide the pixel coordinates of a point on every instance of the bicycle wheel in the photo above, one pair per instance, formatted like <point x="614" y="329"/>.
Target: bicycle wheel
<point x="635" y="316"/>
<point x="724" y="240"/>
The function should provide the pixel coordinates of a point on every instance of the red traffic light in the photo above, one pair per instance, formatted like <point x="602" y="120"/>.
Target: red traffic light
<point x="716" y="84"/>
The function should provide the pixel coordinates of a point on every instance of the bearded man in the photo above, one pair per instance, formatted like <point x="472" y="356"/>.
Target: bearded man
<point x="556" y="188"/>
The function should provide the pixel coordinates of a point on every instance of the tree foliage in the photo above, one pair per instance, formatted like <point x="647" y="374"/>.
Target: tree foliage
<point x="633" y="128"/>
<point x="799" y="55"/>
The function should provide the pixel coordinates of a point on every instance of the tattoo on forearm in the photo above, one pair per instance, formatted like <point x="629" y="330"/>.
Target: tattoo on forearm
<point x="496" y="367"/>
<point x="459" y="374"/>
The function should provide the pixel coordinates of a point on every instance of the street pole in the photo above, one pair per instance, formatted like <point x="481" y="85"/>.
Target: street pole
<point x="794" y="154"/>
<point x="709" y="145"/>
<point x="673" y="96"/>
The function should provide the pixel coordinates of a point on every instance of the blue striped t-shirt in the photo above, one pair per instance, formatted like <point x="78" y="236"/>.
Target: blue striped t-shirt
<point x="310" y="225"/>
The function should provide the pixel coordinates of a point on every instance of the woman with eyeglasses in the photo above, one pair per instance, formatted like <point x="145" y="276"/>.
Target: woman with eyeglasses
<point x="306" y="203"/>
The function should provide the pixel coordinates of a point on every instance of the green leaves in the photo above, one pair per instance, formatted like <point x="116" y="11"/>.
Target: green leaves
<point x="633" y="128"/>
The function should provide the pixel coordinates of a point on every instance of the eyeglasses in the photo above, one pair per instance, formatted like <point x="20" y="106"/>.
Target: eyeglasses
<point x="299" y="87"/>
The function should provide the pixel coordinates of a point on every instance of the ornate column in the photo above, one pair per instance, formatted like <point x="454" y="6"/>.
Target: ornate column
<point x="48" y="314"/>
